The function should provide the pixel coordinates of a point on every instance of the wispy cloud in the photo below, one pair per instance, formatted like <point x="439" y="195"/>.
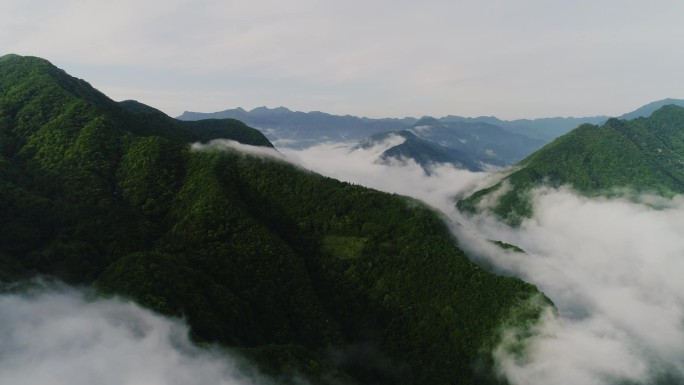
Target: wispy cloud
<point x="227" y="144"/>
<point x="58" y="336"/>
<point x="613" y="268"/>
<point x="352" y="164"/>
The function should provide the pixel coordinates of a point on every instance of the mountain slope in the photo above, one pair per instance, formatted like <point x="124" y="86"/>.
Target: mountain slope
<point x="646" y="110"/>
<point x="302" y="273"/>
<point x="644" y="155"/>
<point x="545" y="129"/>
<point x="423" y="152"/>
<point x="484" y="143"/>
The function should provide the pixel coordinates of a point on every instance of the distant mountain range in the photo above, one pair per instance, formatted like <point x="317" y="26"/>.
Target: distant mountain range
<point x="471" y="143"/>
<point x="475" y="146"/>
<point x="642" y="155"/>
<point x="302" y="129"/>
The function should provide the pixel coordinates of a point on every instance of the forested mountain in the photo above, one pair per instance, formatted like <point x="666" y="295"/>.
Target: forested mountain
<point x="648" y="109"/>
<point x="643" y="155"/>
<point x="304" y="274"/>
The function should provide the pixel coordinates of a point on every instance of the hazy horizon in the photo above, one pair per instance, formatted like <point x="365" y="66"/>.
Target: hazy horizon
<point x="528" y="59"/>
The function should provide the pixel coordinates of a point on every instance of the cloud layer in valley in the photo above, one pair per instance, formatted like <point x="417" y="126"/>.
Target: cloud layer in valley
<point x="226" y="144"/>
<point x="351" y="163"/>
<point x="613" y="268"/>
<point x="57" y="336"/>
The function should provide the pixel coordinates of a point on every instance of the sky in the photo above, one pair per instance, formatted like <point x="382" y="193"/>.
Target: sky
<point x="375" y="58"/>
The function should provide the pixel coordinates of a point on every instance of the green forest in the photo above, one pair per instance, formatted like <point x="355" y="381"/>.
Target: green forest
<point x="621" y="157"/>
<point x="303" y="274"/>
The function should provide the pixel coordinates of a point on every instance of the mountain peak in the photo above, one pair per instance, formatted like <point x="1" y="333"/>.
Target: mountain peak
<point x="427" y="121"/>
<point x="646" y="110"/>
<point x="643" y="155"/>
<point x="45" y="78"/>
<point x="266" y="110"/>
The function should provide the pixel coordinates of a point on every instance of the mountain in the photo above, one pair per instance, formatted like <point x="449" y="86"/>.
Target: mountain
<point x="305" y="275"/>
<point x="648" y="109"/>
<point x="545" y="129"/>
<point x="472" y="146"/>
<point x="423" y="152"/>
<point x="548" y="129"/>
<point x="302" y="129"/>
<point x="485" y="143"/>
<point x="643" y="155"/>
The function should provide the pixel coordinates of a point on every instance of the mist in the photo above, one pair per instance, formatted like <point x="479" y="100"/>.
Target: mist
<point x="612" y="267"/>
<point x="227" y="144"/>
<point x="56" y="335"/>
<point x="354" y="164"/>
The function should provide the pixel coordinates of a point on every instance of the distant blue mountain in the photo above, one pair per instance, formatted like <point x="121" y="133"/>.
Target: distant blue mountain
<point x="647" y="110"/>
<point x="301" y="129"/>
<point x="545" y="129"/>
<point x="423" y="152"/>
<point x="470" y="145"/>
<point x="286" y="128"/>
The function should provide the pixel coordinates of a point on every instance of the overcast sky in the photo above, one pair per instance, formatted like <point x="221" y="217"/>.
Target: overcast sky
<point x="377" y="58"/>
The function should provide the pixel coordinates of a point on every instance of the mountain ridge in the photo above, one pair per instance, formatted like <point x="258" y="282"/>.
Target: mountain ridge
<point x="303" y="129"/>
<point x="281" y="265"/>
<point x="644" y="155"/>
<point x="474" y="146"/>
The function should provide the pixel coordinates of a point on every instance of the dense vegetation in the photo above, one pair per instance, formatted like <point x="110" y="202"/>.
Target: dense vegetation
<point x="644" y="155"/>
<point x="303" y="273"/>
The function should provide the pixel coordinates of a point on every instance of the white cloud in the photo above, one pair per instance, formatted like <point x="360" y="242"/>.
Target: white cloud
<point x="613" y="268"/>
<point x="57" y="336"/>
<point x="226" y="144"/>
<point x="359" y="165"/>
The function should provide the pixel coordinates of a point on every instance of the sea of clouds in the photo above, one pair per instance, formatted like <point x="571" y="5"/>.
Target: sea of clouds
<point x="62" y="336"/>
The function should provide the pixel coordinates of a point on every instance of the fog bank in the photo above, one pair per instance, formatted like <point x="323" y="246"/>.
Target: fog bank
<point x="613" y="268"/>
<point x="349" y="163"/>
<point x="57" y="336"/>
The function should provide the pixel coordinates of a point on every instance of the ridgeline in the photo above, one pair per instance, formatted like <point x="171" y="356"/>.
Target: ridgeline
<point x="643" y="155"/>
<point x="301" y="273"/>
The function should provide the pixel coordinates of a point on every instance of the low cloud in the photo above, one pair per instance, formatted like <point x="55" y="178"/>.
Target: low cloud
<point x="349" y="163"/>
<point x="57" y="336"/>
<point x="227" y="144"/>
<point x="613" y="269"/>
